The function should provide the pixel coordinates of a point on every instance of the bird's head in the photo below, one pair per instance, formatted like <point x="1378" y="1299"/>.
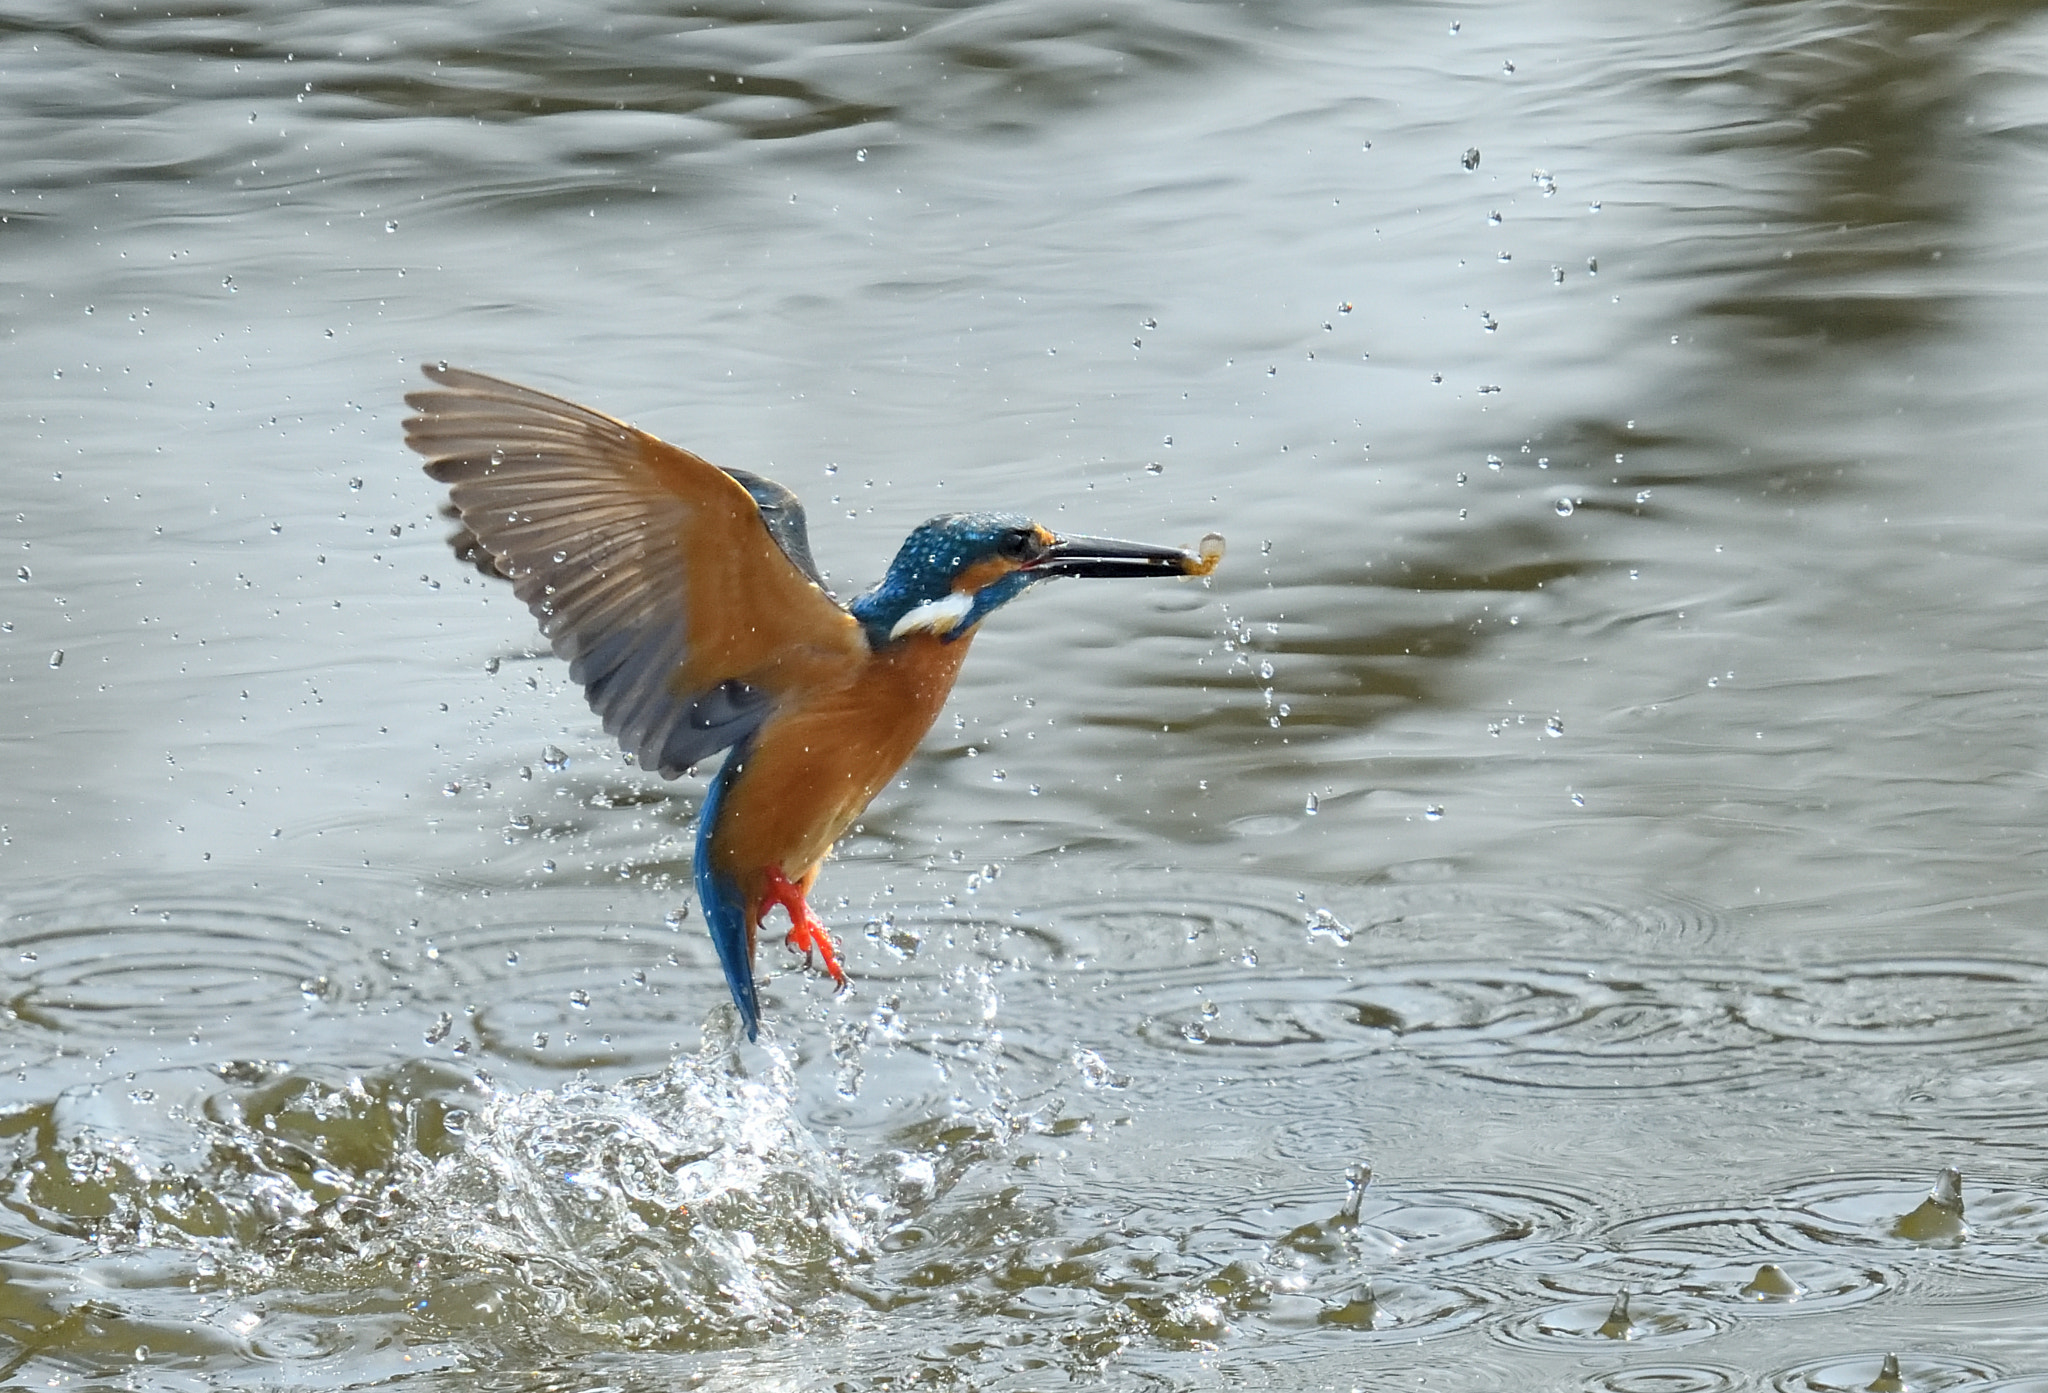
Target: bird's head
<point x="954" y="570"/>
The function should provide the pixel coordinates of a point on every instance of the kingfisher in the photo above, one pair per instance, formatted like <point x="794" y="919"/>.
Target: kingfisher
<point x="684" y="598"/>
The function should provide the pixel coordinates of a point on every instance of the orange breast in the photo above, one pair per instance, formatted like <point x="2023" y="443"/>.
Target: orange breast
<point x="813" y="768"/>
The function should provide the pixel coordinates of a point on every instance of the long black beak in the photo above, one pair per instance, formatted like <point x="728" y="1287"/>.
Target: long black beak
<point x="1104" y="556"/>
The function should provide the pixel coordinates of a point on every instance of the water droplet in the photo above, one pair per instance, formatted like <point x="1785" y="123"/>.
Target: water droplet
<point x="355" y="485"/>
<point x="1578" y="800"/>
<point x="1356" y="1177"/>
<point x="438" y="1031"/>
<point x="451" y="788"/>
<point x="1770" y="1284"/>
<point x="1434" y="812"/>
<point x="1155" y="467"/>
<point x="861" y="155"/>
<point x="1565" y="507"/>
<point x="580" y="999"/>
<point x="1311" y="806"/>
<point x="1095" y="1071"/>
<point x="57" y="658"/>
<point x="1493" y="463"/>
<point x="916" y="1178"/>
<point x="554" y="757"/>
<point x="1554" y="727"/>
<point x="1939" y="1217"/>
<point x="1324" y="924"/>
<point x="1266" y="670"/>
<point x="391" y="225"/>
<point x="1470" y="159"/>
<point x="1618" y="1325"/>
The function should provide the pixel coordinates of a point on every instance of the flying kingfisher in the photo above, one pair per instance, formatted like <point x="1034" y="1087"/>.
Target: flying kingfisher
<point x="685" y="601"/>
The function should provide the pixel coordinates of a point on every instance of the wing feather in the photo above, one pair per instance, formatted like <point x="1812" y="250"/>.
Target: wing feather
<point x="682" y="596"/>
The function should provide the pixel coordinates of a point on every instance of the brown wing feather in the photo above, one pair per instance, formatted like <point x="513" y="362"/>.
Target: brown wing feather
<point x="652" y="571"/>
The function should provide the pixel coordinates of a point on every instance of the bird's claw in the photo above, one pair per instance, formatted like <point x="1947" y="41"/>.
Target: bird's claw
<point x="813" y="940"/>
<point x="806" y="934"/>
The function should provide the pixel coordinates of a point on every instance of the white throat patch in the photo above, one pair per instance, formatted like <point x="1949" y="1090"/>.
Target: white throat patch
<point x="937" y="616"/>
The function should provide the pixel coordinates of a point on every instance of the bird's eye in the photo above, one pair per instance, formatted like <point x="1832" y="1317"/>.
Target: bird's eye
<point x="1020" y="545"/>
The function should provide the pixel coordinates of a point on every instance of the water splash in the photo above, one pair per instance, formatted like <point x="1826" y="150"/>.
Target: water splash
<point x="689" y="1208"/>
<point x="684" y="1207"/>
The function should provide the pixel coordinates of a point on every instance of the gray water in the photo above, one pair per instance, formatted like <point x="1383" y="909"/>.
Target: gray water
<point x="1582" y="842"/>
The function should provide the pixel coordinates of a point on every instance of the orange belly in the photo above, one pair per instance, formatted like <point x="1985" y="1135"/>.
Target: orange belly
<point x="812" y="769"/>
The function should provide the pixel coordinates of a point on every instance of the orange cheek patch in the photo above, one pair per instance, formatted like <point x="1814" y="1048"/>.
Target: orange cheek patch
<point x="983" y="573"/>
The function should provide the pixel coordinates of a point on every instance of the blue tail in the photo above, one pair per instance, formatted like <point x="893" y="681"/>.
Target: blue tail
<point x="725" y="908"/>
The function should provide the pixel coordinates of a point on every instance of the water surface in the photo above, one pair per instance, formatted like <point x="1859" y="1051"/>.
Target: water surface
<point x="1582" y="842"/>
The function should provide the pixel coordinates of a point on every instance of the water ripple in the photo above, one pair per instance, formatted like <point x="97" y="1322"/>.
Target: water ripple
<point x="147" y="965"/>
<point x="1650" y="1321"/>
<point x="1996" y="1009"/>
<point x="1670" y="1378"/>
<point x="1880" y="1371"/>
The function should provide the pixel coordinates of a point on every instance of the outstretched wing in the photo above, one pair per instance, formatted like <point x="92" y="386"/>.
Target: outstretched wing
<point x="682" y="596"/>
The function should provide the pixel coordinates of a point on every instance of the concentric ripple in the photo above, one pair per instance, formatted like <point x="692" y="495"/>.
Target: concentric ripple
<point x="165" y="965"/>
<point x="1143" y="918"/>
<point x="1839" y="1241"/>
<point x="1880" y="1371"/>
<point x="1565" y="1026"/>
<point x="1994" y="1229"/>
<point x="1994" y="1010"/>
<point x="1651" y="1320"/>
<point x="1669" y="1378"/>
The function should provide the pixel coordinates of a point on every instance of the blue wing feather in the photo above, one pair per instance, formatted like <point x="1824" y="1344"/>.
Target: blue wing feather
<point x="782" y="512"/>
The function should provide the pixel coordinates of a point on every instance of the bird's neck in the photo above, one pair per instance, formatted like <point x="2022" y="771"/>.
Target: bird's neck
<point x="881" y="609"/>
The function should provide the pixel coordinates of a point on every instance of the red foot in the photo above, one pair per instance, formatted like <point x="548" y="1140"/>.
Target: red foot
<point x="806" y="934"/>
